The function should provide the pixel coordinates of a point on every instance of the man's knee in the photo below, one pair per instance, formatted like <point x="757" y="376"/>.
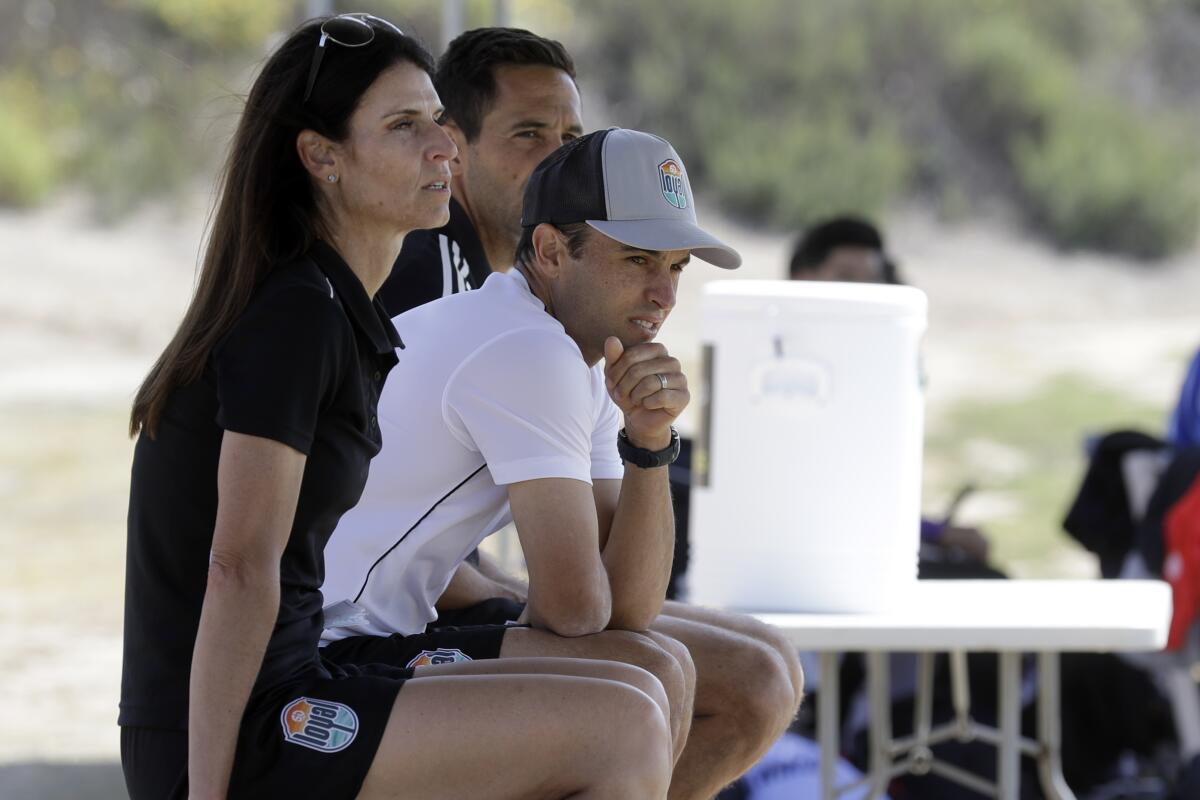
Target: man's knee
<point x="678" y="651"/>
<point x="643" y="651"/>
<point x="641" y="741"/>
<point x="786" y="651"/>
<point x="764" y="701"/>
<point x="791" y="660"/>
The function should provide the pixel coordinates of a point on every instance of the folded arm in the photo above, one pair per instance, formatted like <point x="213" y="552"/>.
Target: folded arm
<point x="600" y="557"/>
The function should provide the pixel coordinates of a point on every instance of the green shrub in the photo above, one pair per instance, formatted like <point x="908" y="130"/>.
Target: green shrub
<point x="1088" y="169"/>
<point x="800" y="109"/>
<point x="1004" y="81"/>
<point x="221" y="23"/>
<point x="29" y="165"/>
<point x="790" y="172"/>
<point x="778" y="123"/>
<point x="139" y="163"/>
<point x="1103" y="179"/>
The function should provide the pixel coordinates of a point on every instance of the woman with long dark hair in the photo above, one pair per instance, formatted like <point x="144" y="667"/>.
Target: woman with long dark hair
<point x="255" y="430"/>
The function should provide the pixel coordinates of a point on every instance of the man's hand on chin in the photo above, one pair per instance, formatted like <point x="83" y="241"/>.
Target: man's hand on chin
<point x="649" y="387"/>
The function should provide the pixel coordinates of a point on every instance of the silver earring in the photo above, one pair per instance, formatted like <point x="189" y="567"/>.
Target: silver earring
<point x="331" y="178"/>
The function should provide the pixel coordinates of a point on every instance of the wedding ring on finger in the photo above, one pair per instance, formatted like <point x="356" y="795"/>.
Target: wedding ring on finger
<point x="662" y="379"/>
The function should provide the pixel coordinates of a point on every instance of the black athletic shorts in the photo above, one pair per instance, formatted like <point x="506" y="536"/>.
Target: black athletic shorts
<point x="314" y="737"/>
<point x="497" y="611"/>
<point x="437" y="645"/>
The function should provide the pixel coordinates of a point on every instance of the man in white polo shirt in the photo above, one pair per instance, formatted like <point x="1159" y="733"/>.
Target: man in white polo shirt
<point x="511" y="100"/>
<point x="521" y="401"/>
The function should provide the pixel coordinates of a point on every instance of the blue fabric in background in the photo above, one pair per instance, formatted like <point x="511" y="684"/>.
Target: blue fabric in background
<point x="791" y="770"/>
<point x="1184" y="430"/>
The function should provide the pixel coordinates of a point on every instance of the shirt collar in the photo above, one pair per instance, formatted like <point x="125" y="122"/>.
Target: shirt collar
<point x="365" y="314"/>
<point x="522" y="282"/>
<point x="463" y="231"/>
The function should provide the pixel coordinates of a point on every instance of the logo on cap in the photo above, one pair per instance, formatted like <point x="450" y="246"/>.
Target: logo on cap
<point x="319" y="724"/>
<point x="671" y="177"/>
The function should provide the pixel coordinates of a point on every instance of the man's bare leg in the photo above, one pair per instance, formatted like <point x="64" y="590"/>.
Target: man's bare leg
<point x="744" y="712"/>
<point x="672" y="670"/>
<point x="683" y="657"/>
<point x="747" y="626"/>
<point x="534" y="729"/>
<point x="636" y="677"/>
<point x="744" y="701"/>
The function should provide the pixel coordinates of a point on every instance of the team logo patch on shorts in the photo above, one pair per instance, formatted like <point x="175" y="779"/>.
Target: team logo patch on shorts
<point x="671" y="176"/>
<point x="443" y="655"/>
<point x="319" y="724"/>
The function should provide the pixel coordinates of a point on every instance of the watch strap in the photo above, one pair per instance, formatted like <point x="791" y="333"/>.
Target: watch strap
<point x="647" y="459"/>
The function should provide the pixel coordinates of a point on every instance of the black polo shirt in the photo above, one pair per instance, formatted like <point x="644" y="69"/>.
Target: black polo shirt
<point x="303" y="365"/>
<point x="436" y="263"/>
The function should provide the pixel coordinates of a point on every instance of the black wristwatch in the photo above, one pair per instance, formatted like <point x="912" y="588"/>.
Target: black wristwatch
<point x="648" y="459"/>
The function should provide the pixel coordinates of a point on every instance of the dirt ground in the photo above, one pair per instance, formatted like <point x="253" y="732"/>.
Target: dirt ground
<point x="85" y="310"/>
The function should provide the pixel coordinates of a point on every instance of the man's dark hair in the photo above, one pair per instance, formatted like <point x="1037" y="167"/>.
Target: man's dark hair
<point x="465" y="79"/>
<point x="576" y="233"/>
<point x="845" y="231"/>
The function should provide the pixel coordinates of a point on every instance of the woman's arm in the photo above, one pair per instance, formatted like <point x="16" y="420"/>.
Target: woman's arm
<point x="258" y="483"/>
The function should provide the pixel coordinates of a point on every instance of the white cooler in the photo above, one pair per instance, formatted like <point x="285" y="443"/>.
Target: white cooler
<point x="807" y="465"/>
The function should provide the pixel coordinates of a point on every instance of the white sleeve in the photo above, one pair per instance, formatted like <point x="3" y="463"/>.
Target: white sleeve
<point x="524" y="402"/>
<point x="606" y="463"/>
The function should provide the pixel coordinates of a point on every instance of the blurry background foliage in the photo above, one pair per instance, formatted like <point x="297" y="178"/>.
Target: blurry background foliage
<point x="1079" y="119"/>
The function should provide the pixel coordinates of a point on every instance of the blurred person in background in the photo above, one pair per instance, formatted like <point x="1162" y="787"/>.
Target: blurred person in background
<point x="255" y="429"/>
<point x="851" y="249"/>
<point x="846" y="249"/>
<point x="511" y="100"/>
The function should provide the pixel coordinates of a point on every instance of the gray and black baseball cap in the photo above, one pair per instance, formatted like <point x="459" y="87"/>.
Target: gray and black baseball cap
<point x="629" y="185"/>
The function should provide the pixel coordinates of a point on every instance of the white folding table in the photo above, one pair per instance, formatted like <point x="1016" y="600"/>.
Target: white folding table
<point x="1010" y="617"/>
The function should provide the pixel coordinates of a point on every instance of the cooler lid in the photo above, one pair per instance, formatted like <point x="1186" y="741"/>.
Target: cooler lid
<point x="816" y="297"/>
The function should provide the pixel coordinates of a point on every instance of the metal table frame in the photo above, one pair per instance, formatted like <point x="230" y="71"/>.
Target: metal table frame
<point x="913" y="754"/>
<point x="956" y="617"/>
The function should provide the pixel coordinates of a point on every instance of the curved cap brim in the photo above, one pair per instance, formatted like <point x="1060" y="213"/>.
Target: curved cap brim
<point x="670" y="234"/>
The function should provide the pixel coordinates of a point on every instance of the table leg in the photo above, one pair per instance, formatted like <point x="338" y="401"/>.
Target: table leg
<point x="879" y="689"/>
<point x="1008" y="760"/>
<point x="1050" y="729"/>
<point x="828" y="729"/>
<point x="920" y="753"/>
<point x="924" y="698"/>
<point x="960" y="686"/>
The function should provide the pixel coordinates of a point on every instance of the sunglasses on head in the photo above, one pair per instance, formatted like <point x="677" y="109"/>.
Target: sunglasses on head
<point x="348" y="30"/>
